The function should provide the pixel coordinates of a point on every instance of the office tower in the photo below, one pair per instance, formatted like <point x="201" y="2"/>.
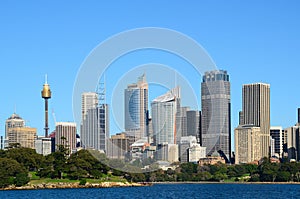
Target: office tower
<point x="12" y="122"/>
<point x="25" y="136"/>
<point x="181" y="128"/>
<point x="95" y="123"/>
<point x="89" y="100"/>
<point x="247" y="141"/>
<point x="193" y="124"/>
<point x="215" y="102"/>
<point x="276" y="134"/>
<point x="256" y="111"/>
<point x="65" y="135"/>
<point x="17" y="133"/>
<point x="293" y="143"/>
<point x="46" y="94"/>
<point x="43" y="145"/>
<point x="136" y="106"/>
<point x="164" y="113"/>
<point x="118" y="146"/>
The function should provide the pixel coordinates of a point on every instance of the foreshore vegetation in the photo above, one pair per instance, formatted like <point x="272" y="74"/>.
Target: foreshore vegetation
<point x="22" y="166"/>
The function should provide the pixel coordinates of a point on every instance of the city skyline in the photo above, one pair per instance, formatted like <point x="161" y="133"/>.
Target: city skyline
<point x="264" y="47"/>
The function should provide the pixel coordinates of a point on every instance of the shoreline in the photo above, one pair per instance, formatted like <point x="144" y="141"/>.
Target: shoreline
<point x="63" y="185"/>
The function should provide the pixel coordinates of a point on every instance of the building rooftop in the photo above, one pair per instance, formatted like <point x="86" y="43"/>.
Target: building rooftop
<point x="15" y="116"/>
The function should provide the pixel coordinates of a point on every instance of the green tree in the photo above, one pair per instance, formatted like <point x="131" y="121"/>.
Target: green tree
<point x="9" y="169"/>
<point x="283" y="176"/>
<point x="27" y="157"/>
<point x="268" y="171"/>
<point x="21" y="179"/>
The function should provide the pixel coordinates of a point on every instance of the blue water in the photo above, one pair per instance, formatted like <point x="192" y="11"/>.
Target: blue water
<point x="168" y="191"/>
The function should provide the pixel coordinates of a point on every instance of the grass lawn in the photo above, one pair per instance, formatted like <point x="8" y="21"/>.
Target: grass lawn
<point x="107" y="178"/>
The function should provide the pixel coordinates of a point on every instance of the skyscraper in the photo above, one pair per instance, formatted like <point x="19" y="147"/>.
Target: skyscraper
<point x="12" y="122"/>
<point x="277" y="134"/>
<point x="17" y="133"/>
<point x="215" y="102"/>
<point x="164" y="112"/>
<point x="256" y="111"/>
<point x="89" y="100"/>
<point x="193" y="124"/>
<point x="247" y="142"/>
<point x="136" y="106"/>
<point x="25" y="136"/>
<point x="65" y="135"/>
<point x="95" y="123"/>
<point x="181" y="121"/>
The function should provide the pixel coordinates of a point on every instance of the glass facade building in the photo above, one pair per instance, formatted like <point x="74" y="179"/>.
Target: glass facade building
<point x="136" y="106"/>
<point x="215" y="119"/>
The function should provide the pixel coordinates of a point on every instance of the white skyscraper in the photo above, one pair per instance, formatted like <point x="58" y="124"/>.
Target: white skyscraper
<point x="88" y="100"/>
<point x="95" y="123"/>
<point x="164" y="110"/>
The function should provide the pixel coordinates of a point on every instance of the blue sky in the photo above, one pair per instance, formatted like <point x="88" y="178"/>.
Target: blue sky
<point x="255" y="41"/>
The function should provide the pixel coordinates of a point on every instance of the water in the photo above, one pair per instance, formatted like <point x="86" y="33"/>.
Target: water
<point x="167" y="191"/>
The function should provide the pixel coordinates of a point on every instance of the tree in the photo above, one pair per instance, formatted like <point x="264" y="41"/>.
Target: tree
<point x="268" y="171"/>
<point x="27" y="157"/>
<point x="283" y="176"/>
<point x="9" y="169"/>
<point x="21" y="179"/>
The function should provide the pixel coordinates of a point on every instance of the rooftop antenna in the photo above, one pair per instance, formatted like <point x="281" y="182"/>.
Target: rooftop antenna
<point x="46" y="79"/>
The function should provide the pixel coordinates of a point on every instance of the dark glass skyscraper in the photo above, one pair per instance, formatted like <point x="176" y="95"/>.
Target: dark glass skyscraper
<point x="215" y="102"/>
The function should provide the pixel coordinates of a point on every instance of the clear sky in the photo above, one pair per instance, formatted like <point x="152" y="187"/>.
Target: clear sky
<point x="255" y="41"/>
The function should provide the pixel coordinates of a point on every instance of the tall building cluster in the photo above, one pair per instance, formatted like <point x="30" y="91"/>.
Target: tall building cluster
<point x="164" y="130"/>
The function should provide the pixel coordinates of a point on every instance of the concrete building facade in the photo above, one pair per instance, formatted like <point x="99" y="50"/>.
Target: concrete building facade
<point x="247" y="140"/>
<point x="65" y="135"/>
<point x="256" y="111"/>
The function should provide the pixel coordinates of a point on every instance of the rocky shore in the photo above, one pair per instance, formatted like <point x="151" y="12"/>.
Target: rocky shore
<point x="62" y="185"/>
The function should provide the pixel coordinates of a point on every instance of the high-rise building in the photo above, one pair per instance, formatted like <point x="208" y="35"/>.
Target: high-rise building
<point x="164" y="113"/>
<point x="293" y="143"/>
<point x="118" y="146"/>
<point x="181" y="121"/>
<point x="65" y="135"/>
<point x="25" y="136"/>
<point x="193" y="124"/>
<point x="276" y="134"/>
<point x="95" y="123"/>
<point x="247" y="141"/>
<point x="17" y="133"/>
<point x="89" y="100"/>
<point x="256" y="111"/>
<point x="136" y="106"/>
<point x="12" y="122"/>
<point x="215" y="102"/>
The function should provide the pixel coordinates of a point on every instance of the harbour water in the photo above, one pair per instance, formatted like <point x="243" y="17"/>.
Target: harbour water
<point x="167" y="191"/>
